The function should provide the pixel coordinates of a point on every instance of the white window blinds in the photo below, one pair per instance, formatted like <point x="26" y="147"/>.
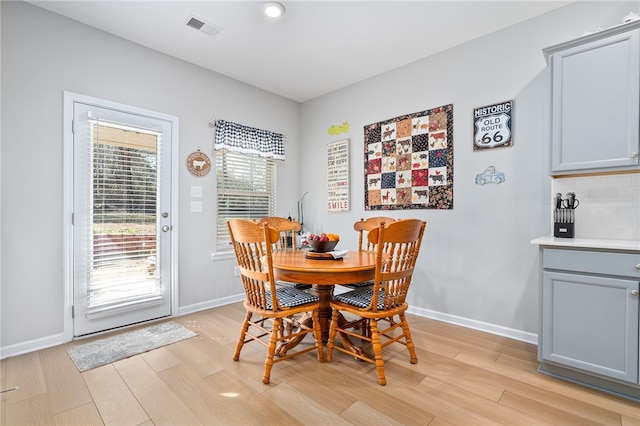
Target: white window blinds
<point x="246" y="187"/>
<point x="122" y="237"/>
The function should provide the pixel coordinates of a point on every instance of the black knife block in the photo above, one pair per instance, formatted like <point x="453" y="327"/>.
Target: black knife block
<point x="563" y="230"/>
<point x="564" y="226"/>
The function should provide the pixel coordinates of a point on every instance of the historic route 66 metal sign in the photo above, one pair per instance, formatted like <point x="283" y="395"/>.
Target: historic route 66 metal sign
<point x="493" y="126"/>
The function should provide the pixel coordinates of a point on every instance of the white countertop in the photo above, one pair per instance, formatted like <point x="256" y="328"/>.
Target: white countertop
<point x="590" y="243"/>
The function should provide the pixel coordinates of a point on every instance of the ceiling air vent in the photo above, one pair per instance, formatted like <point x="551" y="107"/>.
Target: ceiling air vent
<point x="205" y="27"/>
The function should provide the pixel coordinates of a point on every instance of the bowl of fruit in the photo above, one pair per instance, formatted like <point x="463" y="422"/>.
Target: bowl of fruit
<point x="323" y="243"/>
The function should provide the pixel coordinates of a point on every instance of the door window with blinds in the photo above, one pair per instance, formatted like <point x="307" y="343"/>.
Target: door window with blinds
<point x="246" y="187"/>
<point x="245" y="174"/>
<point x="122" y="262"/>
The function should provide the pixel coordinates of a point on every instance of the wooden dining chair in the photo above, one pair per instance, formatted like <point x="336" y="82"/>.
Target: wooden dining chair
<point x="287" y="241"/>
<point x="363" y="226"/>
<point x="287" y="230"/>
<point x="397" y="248"/>
<point x="272" y="306"/>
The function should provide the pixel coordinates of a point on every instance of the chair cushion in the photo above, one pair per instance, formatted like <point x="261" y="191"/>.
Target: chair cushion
<point x="360" y="297"/>
<point x="290" y="297"/>
<point x="295" y="285"/>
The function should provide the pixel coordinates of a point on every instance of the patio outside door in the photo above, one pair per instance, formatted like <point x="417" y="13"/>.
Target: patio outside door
<point x="122" y="233"/>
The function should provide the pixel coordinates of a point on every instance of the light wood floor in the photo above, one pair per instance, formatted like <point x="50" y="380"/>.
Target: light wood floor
<point x="463" y="377"/>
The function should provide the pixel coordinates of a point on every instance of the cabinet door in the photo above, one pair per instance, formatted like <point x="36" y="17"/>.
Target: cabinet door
<point x="591" y="323"/>
<point x="595" y="97"/>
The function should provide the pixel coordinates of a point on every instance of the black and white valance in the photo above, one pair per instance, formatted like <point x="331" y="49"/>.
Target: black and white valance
<point x="248" y="140"/>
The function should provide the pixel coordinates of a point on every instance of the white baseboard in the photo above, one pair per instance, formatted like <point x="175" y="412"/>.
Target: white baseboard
<point x="31" y="346"/>
<point x="58" y="339"/>
<point x="499" y="330"/>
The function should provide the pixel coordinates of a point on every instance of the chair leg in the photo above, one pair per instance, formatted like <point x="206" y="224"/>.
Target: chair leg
<point x="407" y="336"/>
<point x="377" y="351"/>
<point x="243" y="333"/>
<point x="271" y="350"/>
<point x="317" y="334"/>
<point x="332" y="334"/>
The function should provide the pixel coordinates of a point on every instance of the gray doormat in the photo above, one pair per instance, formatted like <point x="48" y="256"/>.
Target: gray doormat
<point x="111" y="349"/>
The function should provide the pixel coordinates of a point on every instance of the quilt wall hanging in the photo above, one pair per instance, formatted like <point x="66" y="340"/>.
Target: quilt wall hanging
<point x="408" y="161"/>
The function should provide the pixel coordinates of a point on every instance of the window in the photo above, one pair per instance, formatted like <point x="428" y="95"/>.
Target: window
<point x="246" y="186"/>
<point x="124" y="197"/>
<point x="245" y="174"/>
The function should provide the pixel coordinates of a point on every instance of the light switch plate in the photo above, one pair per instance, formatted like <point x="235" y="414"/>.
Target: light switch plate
<point x="196" y="207"/>
<point x="196" y="191"/>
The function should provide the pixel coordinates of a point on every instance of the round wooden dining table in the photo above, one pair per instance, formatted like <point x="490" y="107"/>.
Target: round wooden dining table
<point x="323" y="274"/>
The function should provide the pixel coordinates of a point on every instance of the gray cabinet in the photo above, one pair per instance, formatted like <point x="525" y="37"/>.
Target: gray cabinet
<point x="595" y="97"/>
<point x="590" y="318"/>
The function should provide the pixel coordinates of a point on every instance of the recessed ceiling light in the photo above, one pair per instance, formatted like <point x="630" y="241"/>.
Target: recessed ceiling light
<point x="273" y="9"/>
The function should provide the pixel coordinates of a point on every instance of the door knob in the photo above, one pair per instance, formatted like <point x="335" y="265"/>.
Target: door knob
<point x="635" y="293"/>
<point x="165" y="228"/>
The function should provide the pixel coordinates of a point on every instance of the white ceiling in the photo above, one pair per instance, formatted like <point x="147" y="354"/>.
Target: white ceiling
<point x="315" y="48"/>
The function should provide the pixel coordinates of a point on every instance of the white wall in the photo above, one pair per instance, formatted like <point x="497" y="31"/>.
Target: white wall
<point x="44" y="54"/>
<point x="477" y="266"/>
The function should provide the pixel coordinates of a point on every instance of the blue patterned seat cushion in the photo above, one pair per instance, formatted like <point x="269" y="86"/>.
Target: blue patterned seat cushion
<point x="295" y="285"/>
<point x="361" y="284"/>
<point x="291" y="296"/>
<point x="360" y="297"/>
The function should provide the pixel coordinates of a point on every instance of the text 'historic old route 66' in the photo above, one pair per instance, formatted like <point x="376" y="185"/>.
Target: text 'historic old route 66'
<point x="492" y="126"/>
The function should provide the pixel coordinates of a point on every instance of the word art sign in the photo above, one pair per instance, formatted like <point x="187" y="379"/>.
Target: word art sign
<point x="493" y="126"/>
<point x="338" y="176"/>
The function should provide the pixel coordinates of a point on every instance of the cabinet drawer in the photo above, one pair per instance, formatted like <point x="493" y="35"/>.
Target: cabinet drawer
<point x="601" y="263"/>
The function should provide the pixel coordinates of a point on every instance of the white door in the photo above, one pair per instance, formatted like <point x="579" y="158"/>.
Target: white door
<point x="121" y="216"/>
